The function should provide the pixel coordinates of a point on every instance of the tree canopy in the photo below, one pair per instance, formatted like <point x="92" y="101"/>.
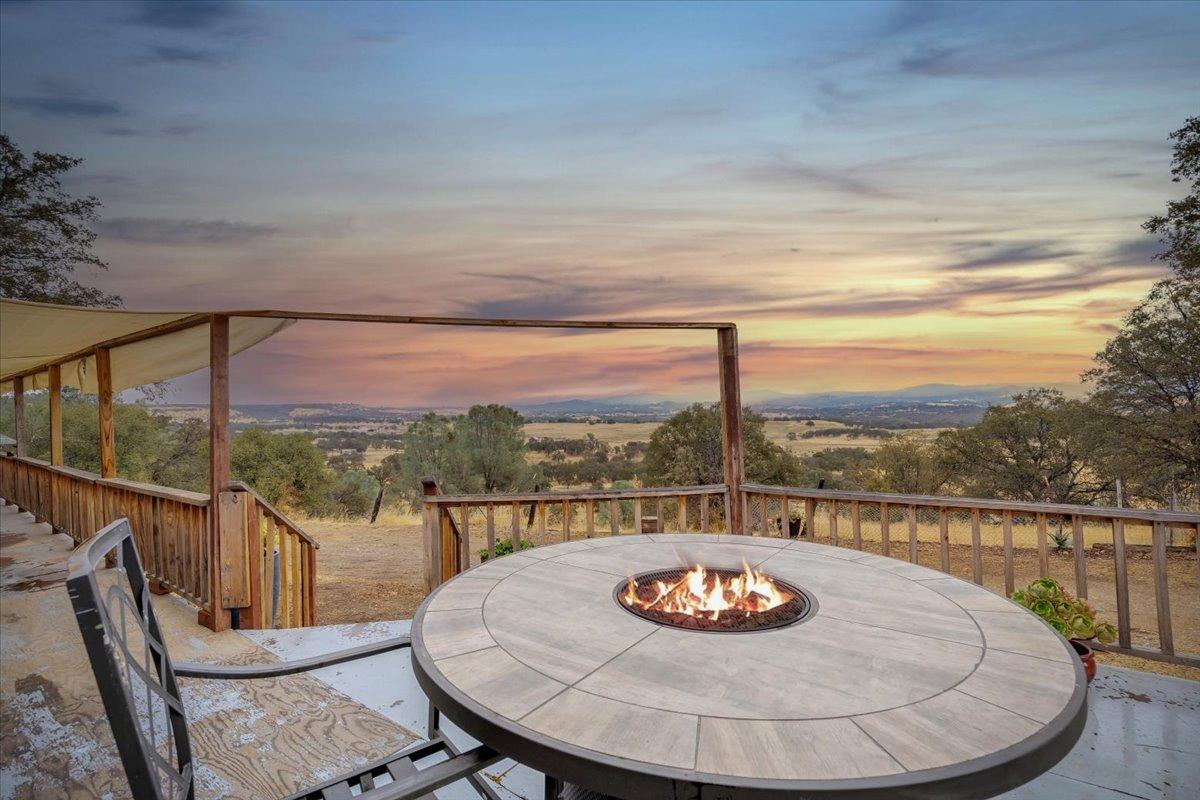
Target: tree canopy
<point x="45" y="233"/>
<point x="686" y="450"/>
<point x="480" y="451"/>
<point x="1179" y="228"/>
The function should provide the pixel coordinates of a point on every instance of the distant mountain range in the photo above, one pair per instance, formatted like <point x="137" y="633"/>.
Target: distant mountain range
<point x="928" y="405"/>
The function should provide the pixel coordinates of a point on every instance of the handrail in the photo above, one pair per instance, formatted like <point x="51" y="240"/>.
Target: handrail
<point x="585" y="494"/>
<point x="241" y="486"/>
<point x="1185" y="518"/>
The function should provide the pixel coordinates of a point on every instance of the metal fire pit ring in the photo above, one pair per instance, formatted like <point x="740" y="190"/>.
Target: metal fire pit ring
<point x="801" y="606"/>
<point x="908" y="683"/>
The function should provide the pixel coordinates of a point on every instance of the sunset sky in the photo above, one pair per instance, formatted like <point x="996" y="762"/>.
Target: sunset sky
<point x="879" y="195"/>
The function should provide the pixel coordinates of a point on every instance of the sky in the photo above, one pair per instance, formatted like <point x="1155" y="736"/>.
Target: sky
<point x="880" y="195"/>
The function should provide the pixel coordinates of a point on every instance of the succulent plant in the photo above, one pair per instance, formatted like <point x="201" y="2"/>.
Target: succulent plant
<point x="1073" y="618"/>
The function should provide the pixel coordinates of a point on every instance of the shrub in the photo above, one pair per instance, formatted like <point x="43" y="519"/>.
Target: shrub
<point x="504" y="547"/>
<point x="1073" y="618"/>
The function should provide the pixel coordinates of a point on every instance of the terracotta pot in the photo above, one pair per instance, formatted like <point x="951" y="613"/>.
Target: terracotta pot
<point x="1086" y="656"/>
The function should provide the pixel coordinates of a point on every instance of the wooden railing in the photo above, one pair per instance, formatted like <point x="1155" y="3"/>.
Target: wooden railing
<point x="172" y="529"/>
<point x="275" y="585"/>
<point x="1128" y="563"/>
<point x="170" y="526"/>
<point x="464" y="530"/>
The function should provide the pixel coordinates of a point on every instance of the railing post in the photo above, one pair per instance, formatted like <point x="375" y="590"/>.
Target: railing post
<point x="234" y="551"/>
<point x="19" y="415"/>
<point x="432" y="535"/>
<point x="55" y="408"/>
<point x="218" y="455"/>
<point x="104" y="396"/>
<point x="731" y="424"/>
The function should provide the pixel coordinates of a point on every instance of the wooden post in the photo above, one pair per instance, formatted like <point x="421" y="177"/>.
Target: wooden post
<point x="1120" y="570"/>
<point x="56" y="440"/>
<point x="432" y="535"/>
<point x="731" y="423"/>
<point x="944" y="537"/>
<point x="976" y="554"/>
<point x="104" y="394"/>
<point x="218" y="452"/>
<point x="1162" y="597"/>
<point x="19" y="414"/>
<point x="1006" y="529"/>
<point x="885" y="528"/>
<point x="1078" y="550"/>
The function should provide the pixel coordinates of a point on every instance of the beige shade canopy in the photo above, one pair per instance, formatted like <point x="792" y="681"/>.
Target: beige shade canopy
<point x="35" y="335"/>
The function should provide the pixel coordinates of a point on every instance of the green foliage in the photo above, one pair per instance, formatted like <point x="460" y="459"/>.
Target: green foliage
<point x="45" y="234"/>
<point x="1041" y="448"/>
<point x="686" y="450"/>
<point x="355" y="491"/>
<point x="1072" y="618"/>
<point x="1179" y="228"/>
<point x="287" y="469"/>
<point x="905" y="464"/>
<point x="504" y="547"/>
<point x="1147" y="389"/>
<point x="481" y="451"/>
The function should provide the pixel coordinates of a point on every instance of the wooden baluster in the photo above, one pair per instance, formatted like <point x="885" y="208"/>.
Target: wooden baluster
<point x="658" y="520"/>
<point x="856" y="524"/>
<point x="1009" y="581"/>
<point x="516" y="527"/>
<point x="491" y="531"/>
<point x="614" y="516"/>
<point x="1162" y="597"/>
<point x="297" y="581"/>
<point x="785" y="518"/>
<point x="1120" y="570"/>
<point x="637" y="515"/>
<point x="566" y="524"/>
<point x="912" y="534"/>
<point x="285" y="574"/>
<point x="728" y="519"/>
<point x="833" y="522"/>
<point x="944" y="537"/>
<point x="762" y="515"/>
<point x="885" y="529"/>
<point x="681" y="514"/>
<point x="976" y="549"/>
<point x="590" y="513"/>
<point x="810" y="517"/>
<point x="312" y="585"/>
<point x="541" y="522"/>
<point x="464" y="538"/>
<point x="1080" y="554"/>
<point x="1043" y="553"/>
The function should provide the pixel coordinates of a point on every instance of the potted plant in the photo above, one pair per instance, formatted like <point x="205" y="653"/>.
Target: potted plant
<point x="1073" y="618"/>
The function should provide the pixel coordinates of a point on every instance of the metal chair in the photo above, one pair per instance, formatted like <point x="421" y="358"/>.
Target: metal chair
<point x="137" y="683"/>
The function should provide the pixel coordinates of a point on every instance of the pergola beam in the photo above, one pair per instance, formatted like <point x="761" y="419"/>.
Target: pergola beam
<point x="398" y="319"/>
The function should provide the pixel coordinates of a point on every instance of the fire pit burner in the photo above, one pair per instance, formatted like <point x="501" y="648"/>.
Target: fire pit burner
<point x="648" y="596"/>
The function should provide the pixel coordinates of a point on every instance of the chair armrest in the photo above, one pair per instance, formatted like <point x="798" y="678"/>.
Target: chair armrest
<point x="235" y="672"/>
<point x="425" y="781"/>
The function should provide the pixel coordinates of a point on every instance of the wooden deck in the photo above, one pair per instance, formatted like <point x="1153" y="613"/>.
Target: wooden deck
<point x="253" y="738"/>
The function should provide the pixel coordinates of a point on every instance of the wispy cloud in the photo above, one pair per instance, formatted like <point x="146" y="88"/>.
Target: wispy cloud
<point x="187" y="15"/>
<point x="154" y="230"/>
<point x="999" y="255"/>
<point x="170" y="54"/>
<point x="46" y="105"/>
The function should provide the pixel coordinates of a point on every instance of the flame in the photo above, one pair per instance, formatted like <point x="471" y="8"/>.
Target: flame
<point x="703" y="593"/>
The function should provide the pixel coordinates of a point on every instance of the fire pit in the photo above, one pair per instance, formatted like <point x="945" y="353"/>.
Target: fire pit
<point x="594" y="661"/>
<point x="716" y="600"/>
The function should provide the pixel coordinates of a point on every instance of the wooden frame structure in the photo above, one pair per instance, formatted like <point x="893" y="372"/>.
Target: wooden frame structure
<point x="233" y="516"/>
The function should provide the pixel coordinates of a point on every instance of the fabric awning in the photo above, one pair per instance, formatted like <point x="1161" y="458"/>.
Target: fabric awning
<point x="34" y="335"/>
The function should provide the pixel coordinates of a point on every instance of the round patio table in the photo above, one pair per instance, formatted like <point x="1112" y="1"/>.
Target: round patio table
<point x="899" y="681"/>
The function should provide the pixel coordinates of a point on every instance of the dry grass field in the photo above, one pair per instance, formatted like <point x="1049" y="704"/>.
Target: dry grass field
<point x="618" y="433"/>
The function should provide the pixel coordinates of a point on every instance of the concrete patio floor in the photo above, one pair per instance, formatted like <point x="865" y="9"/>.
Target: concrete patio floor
<point x="1142" y="738"/>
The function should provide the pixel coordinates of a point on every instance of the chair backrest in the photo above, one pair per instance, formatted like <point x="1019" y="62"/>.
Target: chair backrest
<point x="129" y="658"/>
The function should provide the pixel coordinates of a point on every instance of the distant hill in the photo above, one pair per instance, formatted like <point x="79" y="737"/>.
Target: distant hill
<point x="928" y="405"/>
